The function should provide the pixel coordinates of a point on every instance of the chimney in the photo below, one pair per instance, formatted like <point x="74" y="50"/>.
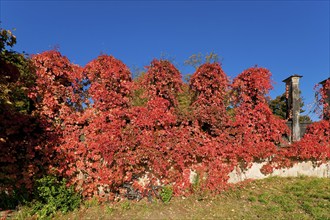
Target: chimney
<point x="326" y="104"/>
<point x="292" y="94"/>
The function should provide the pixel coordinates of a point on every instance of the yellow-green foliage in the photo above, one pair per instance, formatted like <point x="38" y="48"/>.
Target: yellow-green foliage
<point x="184" y="99"/>
<point x="138" y="98"/>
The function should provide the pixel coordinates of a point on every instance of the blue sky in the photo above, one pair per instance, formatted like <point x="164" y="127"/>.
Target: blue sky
<point x="287" y="37"/>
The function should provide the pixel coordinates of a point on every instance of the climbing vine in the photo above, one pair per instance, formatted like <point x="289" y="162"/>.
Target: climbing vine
<point x="105" y="133"/>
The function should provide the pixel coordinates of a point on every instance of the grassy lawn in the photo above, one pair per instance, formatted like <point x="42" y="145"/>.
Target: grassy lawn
<point x="272" y="198"/>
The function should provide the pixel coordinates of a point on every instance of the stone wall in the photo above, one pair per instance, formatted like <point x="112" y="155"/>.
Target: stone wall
<point x="300" y="169"/>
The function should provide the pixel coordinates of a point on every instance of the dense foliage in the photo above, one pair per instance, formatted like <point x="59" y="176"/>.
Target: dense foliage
<point x="210" y="87"/>
<point x="20" y="132"/>
<point x="258" y="131"/>
<point x="110" y="136"/>
<point x="52" y="195"/>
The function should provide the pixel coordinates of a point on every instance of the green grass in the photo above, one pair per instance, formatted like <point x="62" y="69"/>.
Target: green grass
<point x="272" y="198"/>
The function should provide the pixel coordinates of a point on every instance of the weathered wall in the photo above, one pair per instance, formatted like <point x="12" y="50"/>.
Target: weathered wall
<point x="299" y="169"/>
<point x="303" y="127"/>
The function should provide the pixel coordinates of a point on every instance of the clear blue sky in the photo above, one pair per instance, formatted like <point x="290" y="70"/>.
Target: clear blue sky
<point x="287" y="37"/>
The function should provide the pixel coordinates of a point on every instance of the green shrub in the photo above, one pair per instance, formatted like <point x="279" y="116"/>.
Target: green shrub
<point x="166" y="194"/>
<point x="52" y="195"/>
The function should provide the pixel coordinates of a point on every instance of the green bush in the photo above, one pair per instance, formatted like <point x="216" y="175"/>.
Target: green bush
<point x="166" y="194"/>
<point x="52" y="195"/>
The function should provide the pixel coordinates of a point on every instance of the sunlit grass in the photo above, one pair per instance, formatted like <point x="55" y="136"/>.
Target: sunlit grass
<point x="272" y="198"/>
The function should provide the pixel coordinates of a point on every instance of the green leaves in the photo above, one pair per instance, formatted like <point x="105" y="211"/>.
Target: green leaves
<point x="6" y="39"/>
<point x="53" y="195"/>
<point x="166" y="194"/>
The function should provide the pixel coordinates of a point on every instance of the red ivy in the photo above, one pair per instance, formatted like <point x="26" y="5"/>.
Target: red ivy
<point x="210" y="86"/>
<point x="92" y="134"/>
<point x="163" y="80"/>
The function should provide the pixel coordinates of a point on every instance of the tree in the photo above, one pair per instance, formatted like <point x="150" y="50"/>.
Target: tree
<point x="279" y="108"/>
<point x="196" y="60"/>
<point x="19" y="128"/>
<point x="16" y="75"/>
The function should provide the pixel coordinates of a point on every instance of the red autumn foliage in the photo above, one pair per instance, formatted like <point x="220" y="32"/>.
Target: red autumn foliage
<point x="33" y="139"/>
<point x="56" y="97"/>
<point x="210" y="86"/>
<point x="93" y="138"/>
<point x="315" y="145"/>
<point x="163" y="80"/>
<point x="87" y="129"/>
<point x="110" y="82"/>
<point x="56" y="94"/>
<point x="257" y="132"/>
